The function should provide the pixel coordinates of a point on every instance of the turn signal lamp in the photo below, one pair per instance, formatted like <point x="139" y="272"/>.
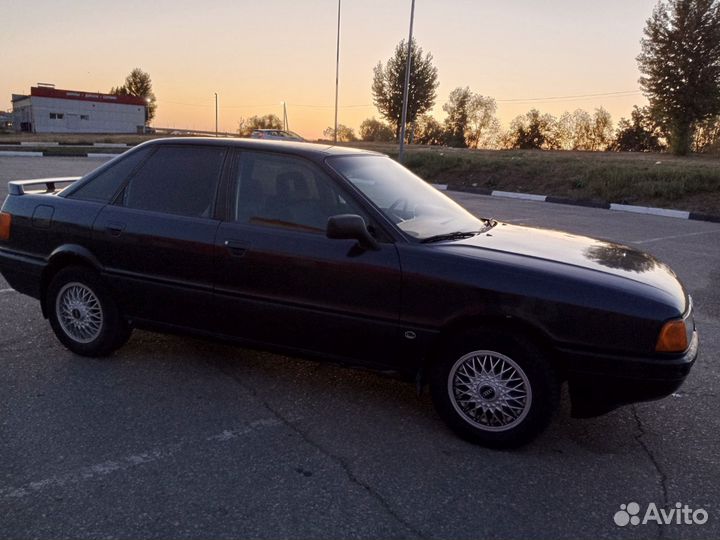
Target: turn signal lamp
<point x="673" y="337"/>
<point x="5" y="221"/>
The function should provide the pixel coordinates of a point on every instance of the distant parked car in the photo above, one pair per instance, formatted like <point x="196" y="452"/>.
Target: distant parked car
<point x="276" y="135"/>
<point x="345" y="255"/>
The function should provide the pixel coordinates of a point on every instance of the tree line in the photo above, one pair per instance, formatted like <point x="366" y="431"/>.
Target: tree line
<point x="680" y="67"/>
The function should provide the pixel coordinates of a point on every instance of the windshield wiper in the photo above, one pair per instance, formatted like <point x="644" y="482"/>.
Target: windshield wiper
<point x="457" y="235"/>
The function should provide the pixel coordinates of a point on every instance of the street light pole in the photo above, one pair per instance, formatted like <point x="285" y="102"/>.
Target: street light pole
<point x="337" y="74"/>
<point x="216" y="115"/>
<point x="407" y="85"/>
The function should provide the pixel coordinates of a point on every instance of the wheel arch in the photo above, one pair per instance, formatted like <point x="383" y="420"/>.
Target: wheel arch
<point x="500" y="324"/>
<point x="63" y="257"/>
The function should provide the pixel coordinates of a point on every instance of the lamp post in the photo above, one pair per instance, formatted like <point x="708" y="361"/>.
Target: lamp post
<point x="216" y="115"/>
<point x="337" y="74"/>
<point x="406" y="89"/>
<point x="286" y="125"/>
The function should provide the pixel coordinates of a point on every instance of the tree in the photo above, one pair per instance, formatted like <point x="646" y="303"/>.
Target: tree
<point x="574" y="130"/>
<point x="375" y="130"/>
<point x="138" y="84"/>
<point x="707" y="136"/>
<point x="429" y="131"/>
<point x="581" y="131"/>
<point x="601" y="133"/>
<point x="344" y="133"/>
<point x="533" y="131"/>
<point x="680" y="63"/>
<point x="639" y="134"/>
<point x="483" y="126"/>
<point x="470" y="119"/>
<point x="389" y="80"/>
<point x="458" y="116"/>
<point x="247" y="125"/>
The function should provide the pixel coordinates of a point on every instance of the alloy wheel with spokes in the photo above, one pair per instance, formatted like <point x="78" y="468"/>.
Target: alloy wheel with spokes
<point x="494" y="388"/>
<point x="83" y="313"/>
<point x="489" y="390"/>
<point x="79" y="312"/>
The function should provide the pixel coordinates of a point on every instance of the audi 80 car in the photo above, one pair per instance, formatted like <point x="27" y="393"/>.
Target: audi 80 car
<point x="344" y="255"/>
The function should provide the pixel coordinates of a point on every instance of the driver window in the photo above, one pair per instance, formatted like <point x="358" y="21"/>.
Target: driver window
<point x="287" y="192"/>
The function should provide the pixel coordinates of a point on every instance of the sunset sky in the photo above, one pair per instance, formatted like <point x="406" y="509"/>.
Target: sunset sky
<point x="257" y="54"/>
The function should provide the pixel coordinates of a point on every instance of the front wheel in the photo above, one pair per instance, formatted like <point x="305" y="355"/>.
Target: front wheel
<point x="83" y="314"/>
<point x="495" y="390"/>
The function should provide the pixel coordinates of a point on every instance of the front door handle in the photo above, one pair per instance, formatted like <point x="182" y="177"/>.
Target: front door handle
<point x="115" y="228"/>
<point x="236" y="249"/>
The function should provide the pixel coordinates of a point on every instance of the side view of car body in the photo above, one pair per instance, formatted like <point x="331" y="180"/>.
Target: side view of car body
<point x="344" y="255"/>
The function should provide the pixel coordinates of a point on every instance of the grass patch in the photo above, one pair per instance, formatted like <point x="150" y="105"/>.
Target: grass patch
<point x="688" y="183"/>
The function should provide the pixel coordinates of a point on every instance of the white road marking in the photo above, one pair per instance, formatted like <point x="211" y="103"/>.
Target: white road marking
<point x="671" y="237"/>
<point x="127" y="462"/>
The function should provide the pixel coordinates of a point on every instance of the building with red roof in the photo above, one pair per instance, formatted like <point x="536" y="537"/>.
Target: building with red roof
<point x="50" y="110"/>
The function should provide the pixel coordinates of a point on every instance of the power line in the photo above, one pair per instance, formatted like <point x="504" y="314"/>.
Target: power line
<point x="577" y="96"/>
<point x="261" y="106"/>
<point x="624" y="93"/>
<point x="330" y="106"/>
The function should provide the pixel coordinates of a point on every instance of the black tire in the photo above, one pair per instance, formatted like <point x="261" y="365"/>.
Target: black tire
<point x="494" y="389"/>
<point x="83" y="314"/>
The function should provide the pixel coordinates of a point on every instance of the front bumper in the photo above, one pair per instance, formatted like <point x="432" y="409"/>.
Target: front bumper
<point x="598" y="384"/>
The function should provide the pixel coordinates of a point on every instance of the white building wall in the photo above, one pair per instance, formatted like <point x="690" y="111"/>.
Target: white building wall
<point x="56" y="115"/>
<point x="22" y="112"/>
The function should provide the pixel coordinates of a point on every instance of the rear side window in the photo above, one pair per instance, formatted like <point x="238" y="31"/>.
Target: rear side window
<point x="104" y="186"/>
<point x="178" y="180"/>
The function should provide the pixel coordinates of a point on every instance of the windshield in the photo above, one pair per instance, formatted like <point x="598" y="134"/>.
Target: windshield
<point x="417" y="208"/>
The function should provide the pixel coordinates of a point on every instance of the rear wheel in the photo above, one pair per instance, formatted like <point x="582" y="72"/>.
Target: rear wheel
<point x="494" y="389"/>
<point x="83" y="314"/>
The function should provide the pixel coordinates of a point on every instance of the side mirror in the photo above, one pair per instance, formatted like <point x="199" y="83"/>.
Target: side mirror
<point x="351" y="227"/>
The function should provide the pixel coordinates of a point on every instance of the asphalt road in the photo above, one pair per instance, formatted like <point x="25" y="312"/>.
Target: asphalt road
<point x="180" y="438"/>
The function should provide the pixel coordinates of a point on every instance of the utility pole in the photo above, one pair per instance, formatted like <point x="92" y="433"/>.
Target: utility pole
<point x="337" y="73"/>
<point x="407" y="85"/>
<point x="286" y="126"/>
<point x="216" y="115"/>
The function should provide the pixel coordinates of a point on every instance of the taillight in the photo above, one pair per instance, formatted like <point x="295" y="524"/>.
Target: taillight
<point x="673" y="337"/>
<point x="5" y="222"/>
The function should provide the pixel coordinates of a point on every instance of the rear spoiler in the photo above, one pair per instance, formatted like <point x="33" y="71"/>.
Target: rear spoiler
<point x="19" y="187"/>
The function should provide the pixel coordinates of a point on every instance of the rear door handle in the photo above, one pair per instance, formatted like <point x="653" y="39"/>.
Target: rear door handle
<point x="115" y="228"/>
<point x="236" y="249"/>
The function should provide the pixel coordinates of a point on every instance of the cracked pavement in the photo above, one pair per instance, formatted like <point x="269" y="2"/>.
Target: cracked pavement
<point x="175" y="437"/>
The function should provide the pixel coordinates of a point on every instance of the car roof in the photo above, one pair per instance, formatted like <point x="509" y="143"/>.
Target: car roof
<point x="288" y="147"/>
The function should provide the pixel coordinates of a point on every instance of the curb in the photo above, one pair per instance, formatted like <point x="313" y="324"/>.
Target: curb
<point x="21" y="153"/>
<point x="649" y="210"/>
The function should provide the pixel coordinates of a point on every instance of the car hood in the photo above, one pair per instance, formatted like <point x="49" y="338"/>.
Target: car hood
<point x="579" y="251"/>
